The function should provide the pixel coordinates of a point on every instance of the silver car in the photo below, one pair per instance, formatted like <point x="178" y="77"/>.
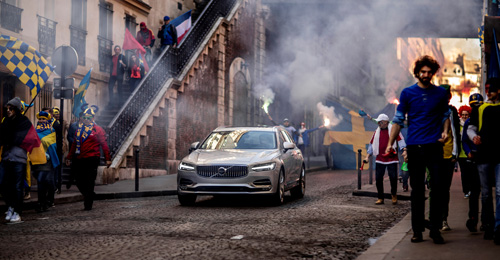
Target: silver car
<point x="243" y="160"/>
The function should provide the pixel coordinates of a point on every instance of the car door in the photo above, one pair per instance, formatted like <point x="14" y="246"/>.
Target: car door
<point x="290" y="156"/>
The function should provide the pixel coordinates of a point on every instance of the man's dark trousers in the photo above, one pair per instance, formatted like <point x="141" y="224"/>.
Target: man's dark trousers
<point x="420" y="158"/>
<point x="392" y="171"/>
<point x="86" y="172"/>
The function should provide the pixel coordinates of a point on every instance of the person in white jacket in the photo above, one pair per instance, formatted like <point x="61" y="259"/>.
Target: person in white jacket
<point x="377" y="147"/>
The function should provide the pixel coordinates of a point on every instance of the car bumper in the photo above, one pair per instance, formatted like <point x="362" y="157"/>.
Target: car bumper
<point x="254" y="183"/>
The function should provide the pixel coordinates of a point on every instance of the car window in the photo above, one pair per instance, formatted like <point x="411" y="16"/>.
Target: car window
<point x="287" y="136"/>
<point x="240" y="139"/>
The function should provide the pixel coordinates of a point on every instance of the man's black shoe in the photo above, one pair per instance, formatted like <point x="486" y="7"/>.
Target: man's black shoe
<point x="471" y="225"/>
<point x="417" y="237"/>
<point x="436" y="237"/>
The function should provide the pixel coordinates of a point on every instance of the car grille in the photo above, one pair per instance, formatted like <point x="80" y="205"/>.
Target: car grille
<point x="222" y="171"/>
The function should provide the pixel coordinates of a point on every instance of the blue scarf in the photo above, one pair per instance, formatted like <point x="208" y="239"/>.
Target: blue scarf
<point x="40" y="127"/>
<point x="82" y="134"/>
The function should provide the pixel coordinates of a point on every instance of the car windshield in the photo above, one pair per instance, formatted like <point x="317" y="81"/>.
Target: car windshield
<point x="240" y="139"/>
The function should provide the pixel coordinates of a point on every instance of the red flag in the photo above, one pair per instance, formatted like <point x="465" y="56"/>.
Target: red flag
<point x="130" y="43"/>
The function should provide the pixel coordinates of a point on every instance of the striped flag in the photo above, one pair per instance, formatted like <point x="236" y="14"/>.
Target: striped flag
<point x="79" y="99"/>
<point x="25" y="62"/>
<point x="182" y="25"/>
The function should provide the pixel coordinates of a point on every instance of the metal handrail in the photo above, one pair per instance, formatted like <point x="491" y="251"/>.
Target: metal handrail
<point x="170" y="64"/>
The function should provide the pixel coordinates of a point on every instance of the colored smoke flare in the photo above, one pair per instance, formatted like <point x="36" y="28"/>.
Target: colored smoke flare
<point x="265" y="106"/>
<point x="395" y="102"/>
<point x="327" y="122"/>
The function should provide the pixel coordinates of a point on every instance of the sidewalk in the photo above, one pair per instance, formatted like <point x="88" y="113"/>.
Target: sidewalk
<point x="459" y="242"/>
<point x="151" y="186"/>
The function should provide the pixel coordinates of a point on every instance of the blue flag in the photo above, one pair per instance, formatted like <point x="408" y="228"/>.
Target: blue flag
<point x="494" y="65"/>
<point x="79" y="99"/>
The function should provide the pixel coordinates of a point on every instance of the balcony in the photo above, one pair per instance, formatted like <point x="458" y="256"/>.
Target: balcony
<point x="105" y="47"/>
<point x="46" y="36"/>
<point x="10" y="17"/>
<point x="78" y="41"/>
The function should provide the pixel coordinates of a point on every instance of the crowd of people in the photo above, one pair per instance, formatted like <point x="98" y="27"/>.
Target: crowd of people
<point x="439" y="136"/>
<point x="38" y="151"/>
<point x="134" y="69"/>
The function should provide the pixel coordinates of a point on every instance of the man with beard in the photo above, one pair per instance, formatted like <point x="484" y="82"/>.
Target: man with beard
<point x="426" y="107"/>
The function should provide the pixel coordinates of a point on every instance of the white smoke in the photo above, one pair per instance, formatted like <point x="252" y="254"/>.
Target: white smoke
<point x="330" y="119"/>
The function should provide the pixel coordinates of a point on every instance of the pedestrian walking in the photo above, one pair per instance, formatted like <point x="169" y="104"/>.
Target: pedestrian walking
<point x="167" y="34"/>
<point x="383" y="160"/>
<point x="451" y="148"/>
<point x="484" y="130"/>
<point x="17" y="138"/>
<point x="118" y="67"/>
<point x="44" y="173"/>
<point x="146" y="38"/>
<point x="426" y="106"/>
<point x="468" y="167"/>
<point x="464" y="112"/>
<point x="84" y="155"/>
<point x="57" y="125"/>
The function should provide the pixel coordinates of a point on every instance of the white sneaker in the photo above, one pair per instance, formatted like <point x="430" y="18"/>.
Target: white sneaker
<point x="9" y="213"/>
<point x="15" y="218"/>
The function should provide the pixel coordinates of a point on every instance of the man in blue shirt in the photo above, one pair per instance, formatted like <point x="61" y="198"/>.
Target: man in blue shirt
<point x="426" y="107"/>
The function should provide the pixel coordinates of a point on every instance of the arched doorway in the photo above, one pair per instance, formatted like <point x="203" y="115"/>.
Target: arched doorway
<point x="240" y="105"/>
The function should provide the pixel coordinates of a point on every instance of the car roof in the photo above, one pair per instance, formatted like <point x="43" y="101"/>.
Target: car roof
<point x="248" y="128"/>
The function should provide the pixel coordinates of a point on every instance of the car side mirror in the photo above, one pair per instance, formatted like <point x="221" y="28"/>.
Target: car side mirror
<point x="193" y="147"/>
<point x="288" y="146"/>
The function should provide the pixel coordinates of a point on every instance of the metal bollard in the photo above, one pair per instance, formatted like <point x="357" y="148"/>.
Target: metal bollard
<point x="359" y="169"/>
<point x="137" y="169"/>
<point x="370" y="171"/>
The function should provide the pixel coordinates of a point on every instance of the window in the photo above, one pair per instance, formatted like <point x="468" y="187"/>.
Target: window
<point x="46" y="35"/>
<point x="130" y="24"/>
<point x="105" y="20"/>
<point x="10" y="15"/>
<point x="179" y="6"/>
<point x="78" y="28"/>
<point x="105" y="37"/>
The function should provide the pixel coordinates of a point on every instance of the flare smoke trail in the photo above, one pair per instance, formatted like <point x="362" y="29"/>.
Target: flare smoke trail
<point x="329" y="116"/>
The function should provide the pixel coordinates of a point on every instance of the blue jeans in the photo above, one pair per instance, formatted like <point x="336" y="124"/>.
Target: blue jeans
<point x="46" y="187"/>
<point x="489" y="174"/>
<point x="13" y="184"/>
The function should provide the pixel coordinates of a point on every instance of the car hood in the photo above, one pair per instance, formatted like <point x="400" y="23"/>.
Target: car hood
<point x="230" y="156"/>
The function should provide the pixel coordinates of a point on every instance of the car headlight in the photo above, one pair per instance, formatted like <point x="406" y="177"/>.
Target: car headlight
<point x="186" y="167"/>
<point x="264" y="167"/>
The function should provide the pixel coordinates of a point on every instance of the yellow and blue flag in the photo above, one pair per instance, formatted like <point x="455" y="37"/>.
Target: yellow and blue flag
<point x="48" y="138"/>
<point x="79" y="99"/>
<point x="25" y="62"/>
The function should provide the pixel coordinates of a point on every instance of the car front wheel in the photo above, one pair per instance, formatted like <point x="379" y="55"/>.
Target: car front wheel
<point x="279" y="195"/>
<point x="299" y="191"/>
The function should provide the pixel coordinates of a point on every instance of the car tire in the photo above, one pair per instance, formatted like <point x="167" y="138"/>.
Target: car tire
<point x="279" y="196"/>
<point x="187" y="199"/>
<point x="299" y="191"/>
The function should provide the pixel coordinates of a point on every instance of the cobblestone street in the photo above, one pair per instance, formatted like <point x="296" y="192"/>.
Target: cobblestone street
<point x="328" y="223"/>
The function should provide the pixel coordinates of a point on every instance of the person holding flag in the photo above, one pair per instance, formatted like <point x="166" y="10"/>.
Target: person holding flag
<point x="18" y="141"/>
<point x="147" y="39"/>
<point x="167" y="34"/>
<point x="85" y="155"/>
<point x="44" y="173"/>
